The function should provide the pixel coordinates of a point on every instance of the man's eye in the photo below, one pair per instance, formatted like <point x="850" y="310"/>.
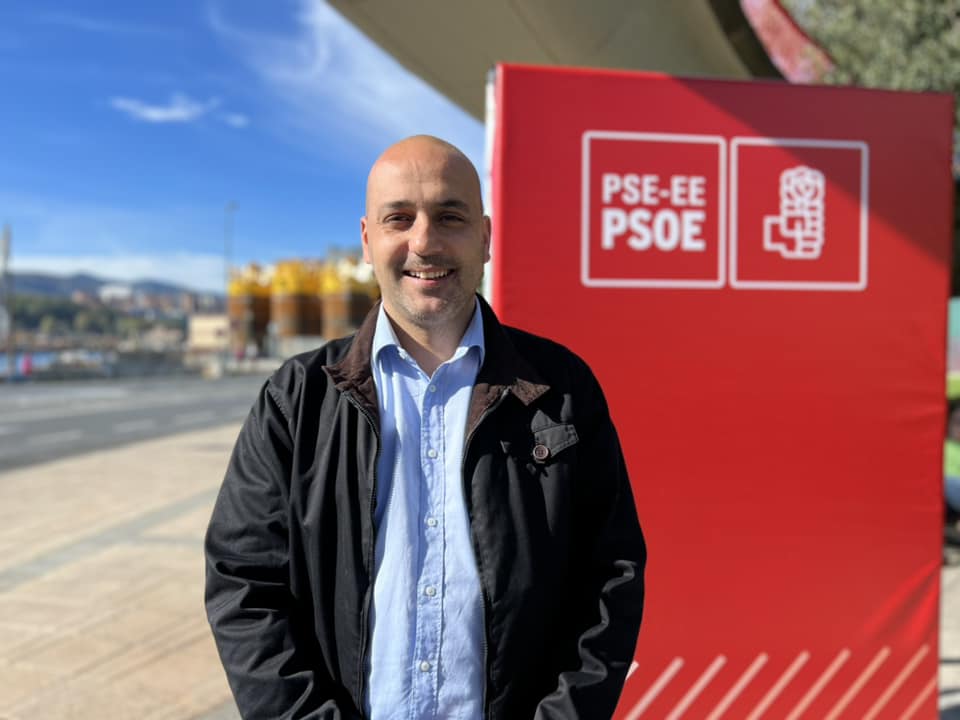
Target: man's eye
<point x="451" y="218"/>
<point x="395" y="219"/>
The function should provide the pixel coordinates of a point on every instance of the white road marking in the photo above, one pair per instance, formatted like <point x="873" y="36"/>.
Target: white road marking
<point x="818" y="686"/>
<point x="897" y="682"/>
<point x="858" y="684"/>
<point x="53" y="438"/>
<point x="920" y="699"/>
<point x="191" y="418"/>
<point x="661" y="682"/>
<point x="738" y="687"/>
<point x="697" y="688"/>
<point x="134" y="426"/>
<point x="778" y="687"/>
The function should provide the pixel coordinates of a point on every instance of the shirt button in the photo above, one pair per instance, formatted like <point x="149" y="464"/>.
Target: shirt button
<point x="430" y="590"/>
<point x="431" y="522"/>
<point x="433" y="388"/>
<point x="424" y="666"/>
<point x="431" y="453"/>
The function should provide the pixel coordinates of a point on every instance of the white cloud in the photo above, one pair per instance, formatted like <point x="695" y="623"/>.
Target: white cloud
<point x="48" y="225"/>
<point x="237" y="120"/>
<point x="180" y="109"/>
<point x="176" y="243"/>
<point x="198" y="271"/>
<point x="96" y="25"/>
<point x="335" y="85"/>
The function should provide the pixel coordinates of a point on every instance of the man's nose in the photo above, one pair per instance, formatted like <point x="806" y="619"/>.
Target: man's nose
<point x="424" y="236"/>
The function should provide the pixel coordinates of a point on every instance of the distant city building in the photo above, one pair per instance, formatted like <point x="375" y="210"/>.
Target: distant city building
<point x="209" y="302"/>
<point x="208" y="333"/>
<point x="81" y="297"/>
<point x="161" y="338"/>
<point x="188" y="303"/>
<point x="115" y="293"/>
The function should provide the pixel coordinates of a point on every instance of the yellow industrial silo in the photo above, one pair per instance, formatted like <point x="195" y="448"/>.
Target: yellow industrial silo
<point x="295" y="302"/>
<point x="248" y="308"/>
<point x="348" y="291"/>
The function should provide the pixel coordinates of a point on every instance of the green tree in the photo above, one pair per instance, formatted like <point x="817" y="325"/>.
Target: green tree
<point x="29" y="311"/>
<point x="130" y="327"/>
<point x="47" y="325"/>
<point x="83" y="322"/>
<point x="892" y="44"/>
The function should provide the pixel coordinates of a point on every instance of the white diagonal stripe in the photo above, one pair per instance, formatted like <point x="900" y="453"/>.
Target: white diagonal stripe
<point x="738" y="687"/>
<point x="661" y="682"/>
<point x="697" y="688"/>
<point x="818" y="686"/>
<point x="778" y="687"/>
<point x="920" y="699"/>
<point x="897" y="682"/>
<point x="633" y="668"/>
<point x="858" y="684"/>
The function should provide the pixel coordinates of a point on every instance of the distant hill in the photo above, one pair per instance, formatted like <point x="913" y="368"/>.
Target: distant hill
<point x="26" y="283"/>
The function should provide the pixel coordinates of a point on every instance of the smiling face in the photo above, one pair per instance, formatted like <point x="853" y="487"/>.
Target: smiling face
<point x="426" y="236"/>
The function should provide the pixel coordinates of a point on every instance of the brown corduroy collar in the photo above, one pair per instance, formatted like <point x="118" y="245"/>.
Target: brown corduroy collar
<point x="503" y="368"/>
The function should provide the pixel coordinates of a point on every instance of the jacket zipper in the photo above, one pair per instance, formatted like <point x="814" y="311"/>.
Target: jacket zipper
<point x="476" y="545"/>
<point x="365" y="608"/>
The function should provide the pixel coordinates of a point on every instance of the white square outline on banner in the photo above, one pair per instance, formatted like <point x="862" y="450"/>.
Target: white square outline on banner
<point x="860" y="283"/>
<point x="710" y="284"/>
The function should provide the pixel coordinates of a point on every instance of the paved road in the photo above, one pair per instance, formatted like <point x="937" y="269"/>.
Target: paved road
<point x="50" y="420"/>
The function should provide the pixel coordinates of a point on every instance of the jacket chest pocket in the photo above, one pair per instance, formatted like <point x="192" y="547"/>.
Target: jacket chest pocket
<point x="543" y="451"/>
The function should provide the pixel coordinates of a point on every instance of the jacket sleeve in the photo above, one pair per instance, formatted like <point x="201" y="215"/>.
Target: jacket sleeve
<point x="264" y="640"/>
<point x="613" y="586"/>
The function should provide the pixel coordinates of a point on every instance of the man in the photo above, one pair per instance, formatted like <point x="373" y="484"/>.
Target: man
<point x="432" y="518"/>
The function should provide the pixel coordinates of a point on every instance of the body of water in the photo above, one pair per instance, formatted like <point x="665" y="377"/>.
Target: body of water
<point x="27" y="363"/>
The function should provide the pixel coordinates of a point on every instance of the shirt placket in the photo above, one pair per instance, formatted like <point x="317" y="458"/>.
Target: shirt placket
<point x="429" y="601"/>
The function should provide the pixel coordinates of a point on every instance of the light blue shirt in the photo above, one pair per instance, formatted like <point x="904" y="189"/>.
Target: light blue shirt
<point x="426" y="619"/>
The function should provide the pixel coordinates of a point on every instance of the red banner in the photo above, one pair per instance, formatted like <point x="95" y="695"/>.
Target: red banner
<point x="758" y="273"/>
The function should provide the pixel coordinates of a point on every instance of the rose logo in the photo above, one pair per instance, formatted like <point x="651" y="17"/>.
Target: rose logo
<point x="797" y="232"/>
<point x="801" y="185"/>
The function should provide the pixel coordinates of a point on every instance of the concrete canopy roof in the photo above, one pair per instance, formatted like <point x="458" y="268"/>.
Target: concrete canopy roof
<point x="452" y="44"/>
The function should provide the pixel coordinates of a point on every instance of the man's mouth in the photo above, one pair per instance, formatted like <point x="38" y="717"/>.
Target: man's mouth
<point x="427" y="275"/>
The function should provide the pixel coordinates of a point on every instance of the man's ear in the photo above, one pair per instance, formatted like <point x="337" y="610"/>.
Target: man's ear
<point x="486" y="238"/>
<point x="365" y="243"/>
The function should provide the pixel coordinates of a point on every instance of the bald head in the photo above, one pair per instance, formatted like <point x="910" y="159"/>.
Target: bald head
<point x="427" y="239"/>
<point x="417" y="153"/>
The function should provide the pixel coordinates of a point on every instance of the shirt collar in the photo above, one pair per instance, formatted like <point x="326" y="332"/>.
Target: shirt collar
<point x="384" y="336"/>
<point x="473" y="337"/>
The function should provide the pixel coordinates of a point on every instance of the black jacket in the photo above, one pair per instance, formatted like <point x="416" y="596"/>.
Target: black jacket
<point x="555" y="533"/>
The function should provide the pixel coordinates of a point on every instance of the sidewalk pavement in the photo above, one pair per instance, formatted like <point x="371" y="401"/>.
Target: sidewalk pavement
<point x="101" y="576"/>
<point x="950" y="643"/>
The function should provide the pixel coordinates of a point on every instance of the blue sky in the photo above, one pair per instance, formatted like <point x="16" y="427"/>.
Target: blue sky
<point x="127" y="127"/>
